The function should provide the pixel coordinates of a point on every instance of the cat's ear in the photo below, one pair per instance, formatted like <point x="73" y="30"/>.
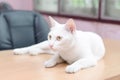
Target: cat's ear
<point x="70" y="25"/>
<point x="52" y="21"/>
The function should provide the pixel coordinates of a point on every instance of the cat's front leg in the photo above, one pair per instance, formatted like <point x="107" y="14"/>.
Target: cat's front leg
<point x="56" y="59"/>
<point x="36" y="49"/>
<point x="80" y="64"/>
<point x="33" y="50"/>
<point x="21" y="51"/>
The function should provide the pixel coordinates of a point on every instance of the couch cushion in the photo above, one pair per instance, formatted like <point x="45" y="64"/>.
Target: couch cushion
<point x="41" y="28"/>
<point x="21" y="29"/>
<point x="5" y="39"/>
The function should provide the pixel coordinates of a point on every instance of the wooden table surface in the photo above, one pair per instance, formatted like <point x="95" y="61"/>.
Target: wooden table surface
<point x="25" y="67"/>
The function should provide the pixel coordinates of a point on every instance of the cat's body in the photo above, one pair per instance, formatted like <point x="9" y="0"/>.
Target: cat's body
<point x="79" y="49"/>
<point x="81" y="43"/>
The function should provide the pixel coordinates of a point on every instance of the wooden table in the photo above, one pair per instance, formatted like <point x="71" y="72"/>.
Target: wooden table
<point x="25" y="67"/>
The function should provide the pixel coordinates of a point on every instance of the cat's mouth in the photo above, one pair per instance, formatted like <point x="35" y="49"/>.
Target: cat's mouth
<point x="53" y="48"/>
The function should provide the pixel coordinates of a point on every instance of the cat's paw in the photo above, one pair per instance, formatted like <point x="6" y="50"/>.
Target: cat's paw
<point x="20" y="51"/>
<point x="34" y="52"/>
<point x="49" y="63"/>
<point x="72" y="68"/>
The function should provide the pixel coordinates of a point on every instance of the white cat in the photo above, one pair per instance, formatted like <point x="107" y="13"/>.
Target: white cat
<point x="79" y="49"/>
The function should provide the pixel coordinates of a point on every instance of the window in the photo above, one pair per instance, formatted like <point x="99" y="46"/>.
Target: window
<point x="46" y="5"/>
<point x="111" y="9"/>
<point x="87" y="8"/>
<point x="100" y="10"/>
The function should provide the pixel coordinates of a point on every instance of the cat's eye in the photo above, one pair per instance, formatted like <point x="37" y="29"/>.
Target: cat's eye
<point x="58" y="38"/>
<point x="50" y="37"/>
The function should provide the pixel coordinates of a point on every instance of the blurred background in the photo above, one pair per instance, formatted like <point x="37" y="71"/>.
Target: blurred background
<point x="100" y="16"/>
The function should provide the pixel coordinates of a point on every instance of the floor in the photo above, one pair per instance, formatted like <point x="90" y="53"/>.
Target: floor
<point x="105" y="30"/>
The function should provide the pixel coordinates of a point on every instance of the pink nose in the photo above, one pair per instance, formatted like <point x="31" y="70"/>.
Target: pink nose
<point x="51" y="46"/>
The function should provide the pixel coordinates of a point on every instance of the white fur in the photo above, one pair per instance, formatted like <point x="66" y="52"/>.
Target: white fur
<point x="79" y="49"/>
<point x="36" y="49"/>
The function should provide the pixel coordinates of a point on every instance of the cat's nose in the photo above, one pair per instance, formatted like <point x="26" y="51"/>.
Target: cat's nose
<point x="51" y="46"/>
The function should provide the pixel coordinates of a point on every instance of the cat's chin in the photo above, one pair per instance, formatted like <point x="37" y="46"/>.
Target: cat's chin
<point x="55" y="49"/>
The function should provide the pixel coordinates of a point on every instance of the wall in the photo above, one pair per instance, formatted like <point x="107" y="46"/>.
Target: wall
<point x="105" y="30"/>
<point x="20" y="4"/>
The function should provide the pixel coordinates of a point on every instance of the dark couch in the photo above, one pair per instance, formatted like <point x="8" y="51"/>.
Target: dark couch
<point x="21" y="29"/>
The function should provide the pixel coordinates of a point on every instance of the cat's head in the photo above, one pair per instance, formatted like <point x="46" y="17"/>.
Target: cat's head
<point x="61" y="35"/>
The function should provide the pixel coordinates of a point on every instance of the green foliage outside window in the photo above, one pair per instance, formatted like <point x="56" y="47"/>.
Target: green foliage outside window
<point x="78" y="3"/>
<point x="85" y="3"/>
<point x="117" y="4"/>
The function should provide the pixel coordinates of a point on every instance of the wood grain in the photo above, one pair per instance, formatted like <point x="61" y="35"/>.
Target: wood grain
<point x="26" y="67"/>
